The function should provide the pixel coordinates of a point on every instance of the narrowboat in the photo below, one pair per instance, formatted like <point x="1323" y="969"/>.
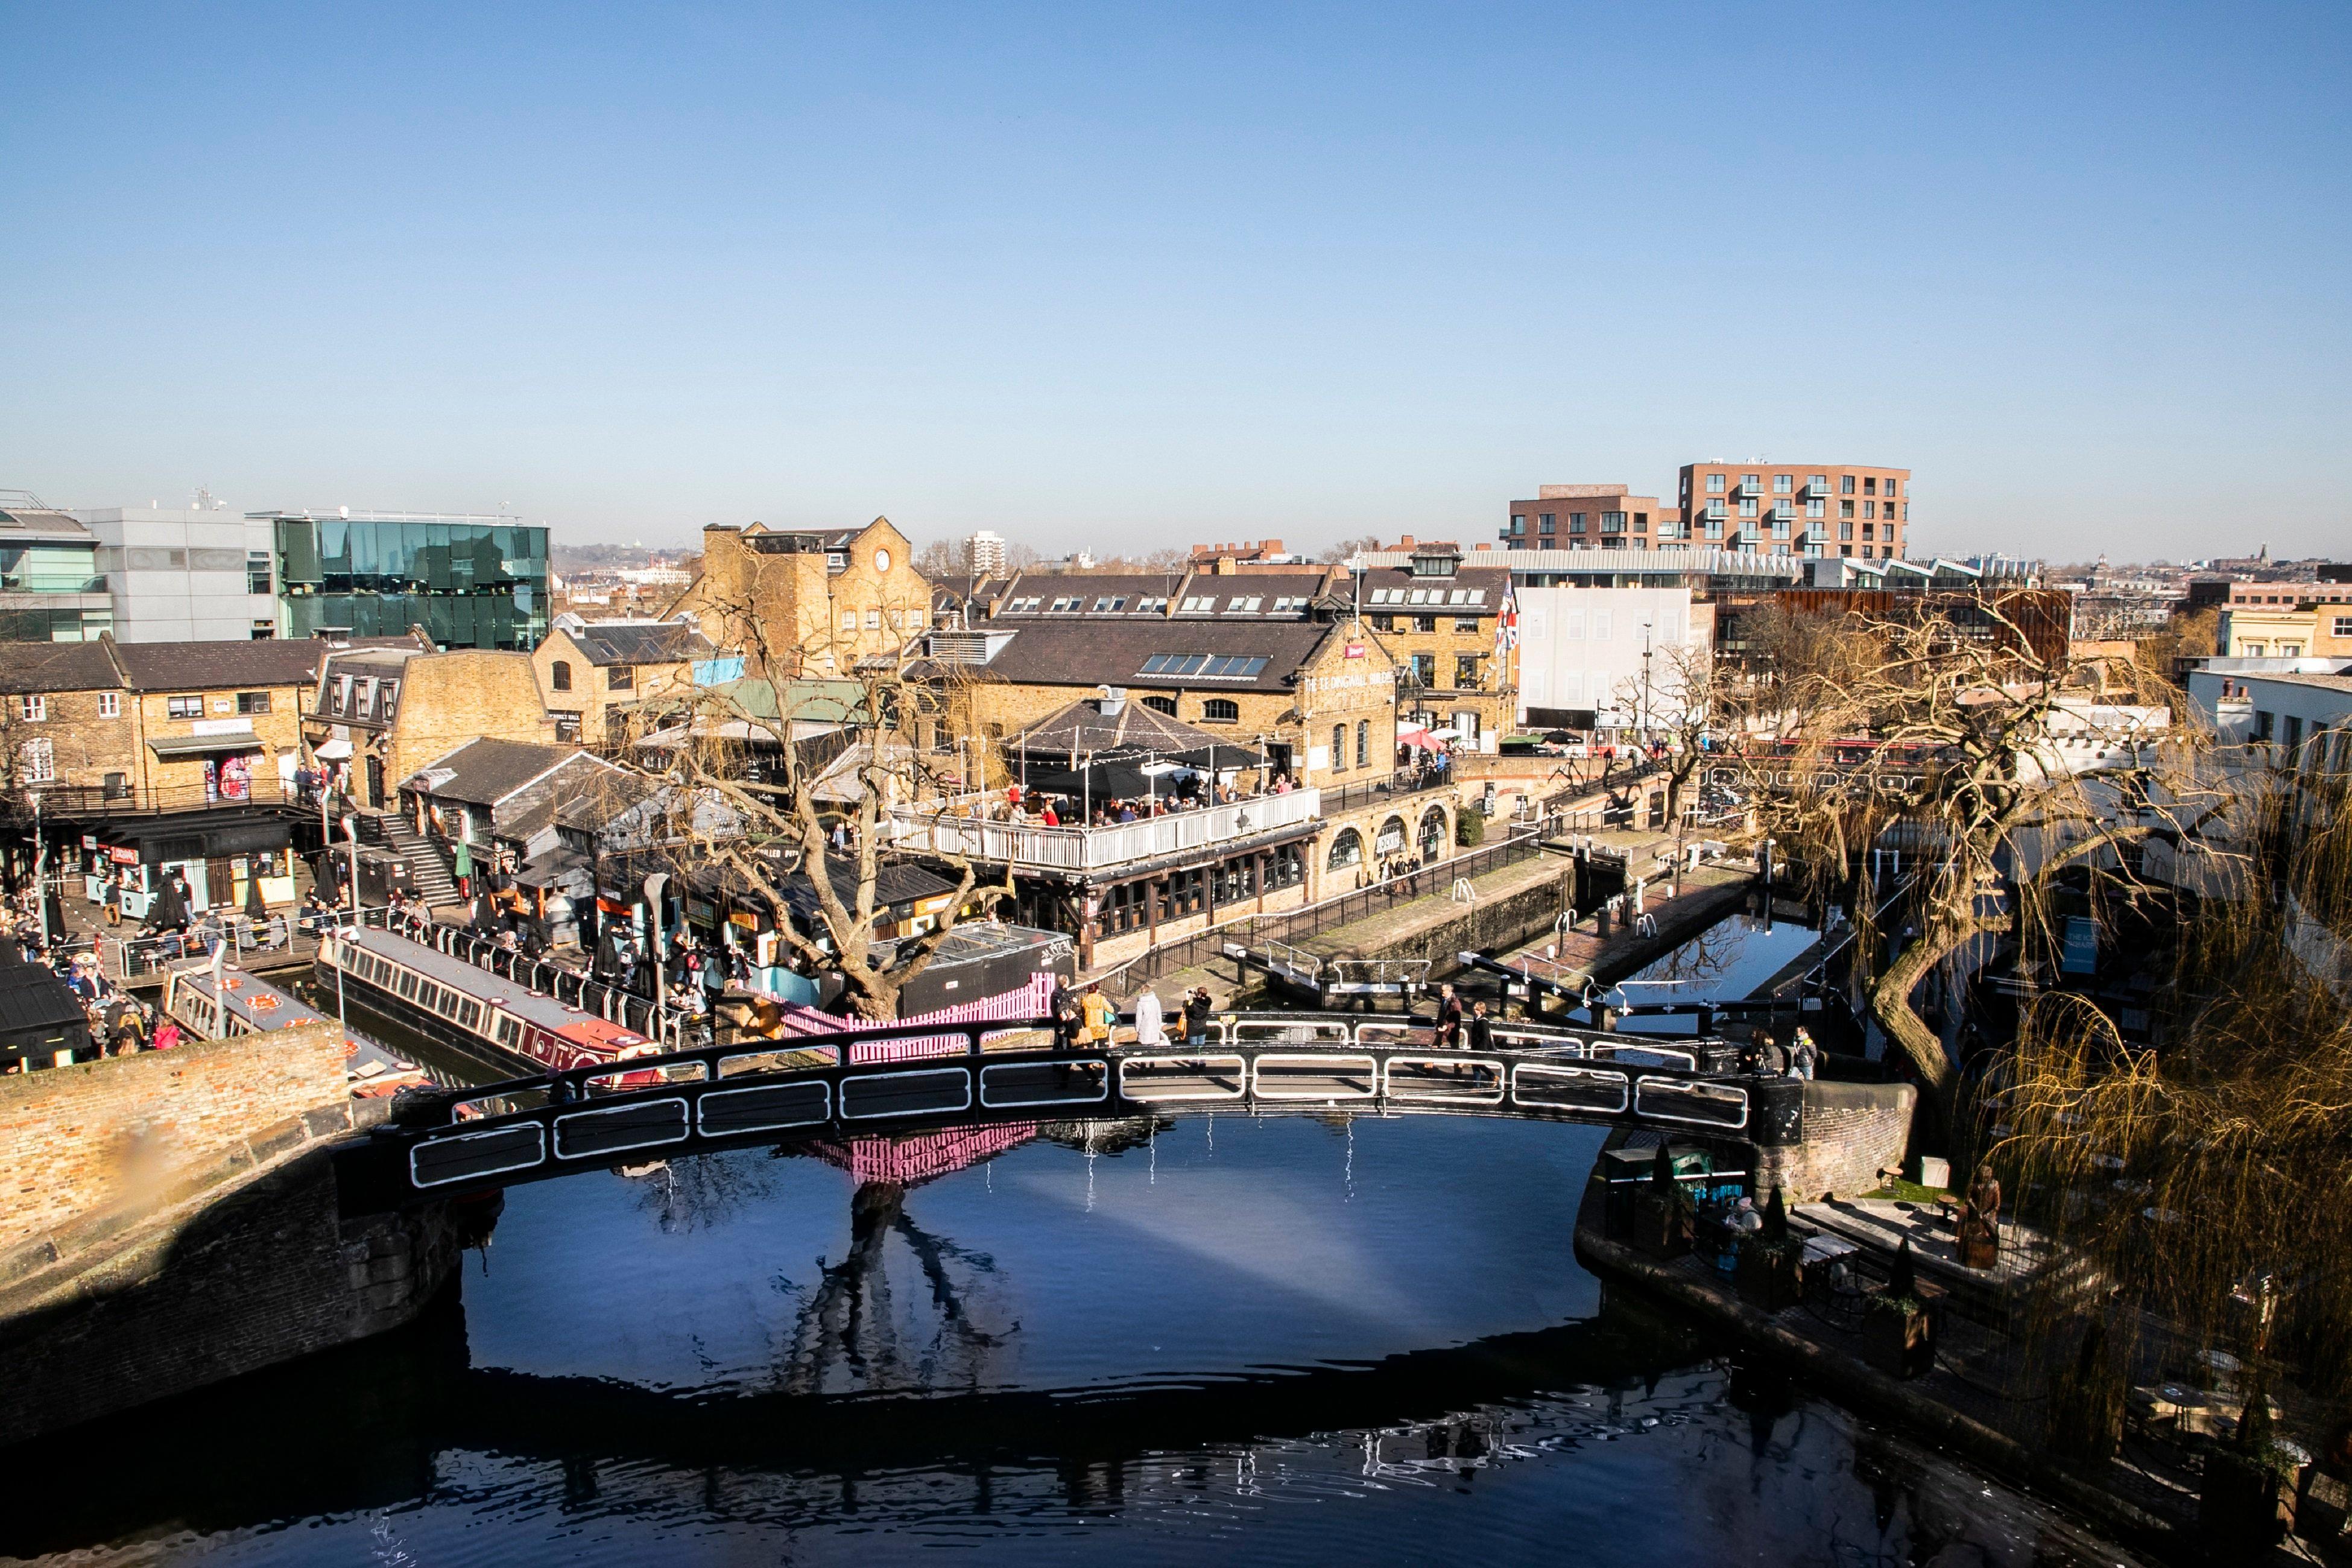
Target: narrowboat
<point x="220" y="1005"/>
<point x="487" y="1016"/>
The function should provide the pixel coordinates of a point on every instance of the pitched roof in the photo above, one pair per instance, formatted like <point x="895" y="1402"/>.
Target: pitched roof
<point x="640" y="642"/>
<point x="196" y="666"/>
<point x="1084" y="728"/>
<point x="485" y="772"/>
<point x="1388" y="589"/>
<point x="30" y="666"/>
<point x="1113" y="652"/>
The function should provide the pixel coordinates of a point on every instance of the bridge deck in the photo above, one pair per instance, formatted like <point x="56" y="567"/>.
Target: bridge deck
<point x="447" y="1142"/>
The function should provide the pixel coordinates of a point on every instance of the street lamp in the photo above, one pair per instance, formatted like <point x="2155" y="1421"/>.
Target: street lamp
<point x="655" y="886"/>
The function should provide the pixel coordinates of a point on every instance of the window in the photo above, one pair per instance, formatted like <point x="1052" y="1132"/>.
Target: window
<point x="1217" y="665"/>
<point x="1870" y="487"/>
<point x="117" y="786"/>
<point x="2343" y="627"/>
<point x="1547" y="518"/>
<point x="1714" y="523"/>
<point x="1162" y="705"/>
<point x="1818" y="484"/>
<point x="1384" y="623"/>
<point x="1845" y="484"/>
<point x="1338" y="747"/>
<point x="253" y="702"/>
<point x="873" y="620"/>
<point x="1148" y="605"/>
<point x="1641" y="522"/>
<point x="1845" y="509"/>
<point x="1870" y="508"/>
<point x="1750" y="484"/>
<point x="1519" y="522"/>
<point x="620" y="678"/>
<point x="1347" y="850"/>
<point x="1576" y="522"/>
<point x="1715" y="508"/>
<point x="1363" y="741"/>
<point x="1469" y="624"/>
<point x="849" y="620"/>
<point x="1747" y="506"/>
<point x="1465" y="672"/>
<point x="1869" y="530"/>
<point x="1108" y="606"/>
<point x="1780" y="526"/>
<point x="110" y="705"/>
<point x="1613" y="522"/>
<point x="1783" y="483"/>
<point x="35" y="708"/>
<point x="1424" y="623"/>
<point x="1890" y="488"/>
<point x="1199" y="603"/>
<point x="1817" y="507"/>
<point x="183" y="708"/>
<point x="40" y="760"/>
<point x="1714" y="484"/>
<point x="1221" y="711"/>
<point x="567" y="728"/>
<point x="257" y="571"/>
<point x="1245" y="606"/>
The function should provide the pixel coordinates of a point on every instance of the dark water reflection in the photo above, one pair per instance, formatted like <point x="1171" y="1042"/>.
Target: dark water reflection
<point x="1281" y="1339"/>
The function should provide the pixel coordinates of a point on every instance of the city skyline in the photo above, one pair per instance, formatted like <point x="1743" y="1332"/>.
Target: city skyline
<point x="1108" y="283"/>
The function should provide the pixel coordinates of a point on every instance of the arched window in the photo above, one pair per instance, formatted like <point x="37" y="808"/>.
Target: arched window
<point x="1363" y="743"/>
<point x="1162" y="705"/>
<point x="1221" y="711"/>
<point x="561" y="674"/>
<point x="1391" y="839"/>
<point x="1348" y="849"/>
<point x="1338" y="747"/>
<point x="1432" y="834"/>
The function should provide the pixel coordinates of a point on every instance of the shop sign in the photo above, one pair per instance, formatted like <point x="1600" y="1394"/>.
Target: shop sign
<point x="89" y="840"/>
<point x="743" y="917"/>
<point x="1355" y="650"/>
<point x="123" y="854"/>
<point x="701" y="912"/>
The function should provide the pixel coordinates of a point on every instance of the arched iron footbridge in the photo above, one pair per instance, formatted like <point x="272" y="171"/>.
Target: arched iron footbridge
<point x="447" y="1143"/>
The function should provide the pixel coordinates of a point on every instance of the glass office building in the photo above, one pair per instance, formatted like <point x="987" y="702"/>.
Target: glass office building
<point x="51" y="588"/>
<point x="469" y="581"/>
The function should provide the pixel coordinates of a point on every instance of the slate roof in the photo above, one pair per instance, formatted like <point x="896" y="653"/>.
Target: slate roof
<point x="1087" y="588"/>
<point x="1111" y="650"/>
<point x="640" y="642"/>
<point x="486" y="771"/>
<point x="896" y="882"/>
<point x="1388" y="590"/>
<point x="29" y="666"/>
<point x="1265" y="587"/>
<point x="203" y="665"/>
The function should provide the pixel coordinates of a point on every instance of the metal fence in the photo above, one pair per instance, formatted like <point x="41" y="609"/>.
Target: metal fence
<point x="1295" y="925"/>
<point x="573" y="987"/>
<point x="125" y="959"/>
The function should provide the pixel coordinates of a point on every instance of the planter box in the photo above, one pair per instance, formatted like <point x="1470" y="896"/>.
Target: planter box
<point x="1899" y="1344"/>
<point x="1773" y="1282"/>
<point x="2240" y="1503"/>
<point x="1662" y="1226"/>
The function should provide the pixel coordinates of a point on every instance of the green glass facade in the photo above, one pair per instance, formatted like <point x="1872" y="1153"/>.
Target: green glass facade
<point x="468" y="585"/>
<point x="65" y="574"/>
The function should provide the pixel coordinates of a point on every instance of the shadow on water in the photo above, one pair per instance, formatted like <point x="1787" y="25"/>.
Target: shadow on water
<point x="365" y="1427"/>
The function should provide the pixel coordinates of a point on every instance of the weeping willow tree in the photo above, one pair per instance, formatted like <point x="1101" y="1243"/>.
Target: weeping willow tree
<point x="2207" y="1177"/>
<point x="1944" y="732"/>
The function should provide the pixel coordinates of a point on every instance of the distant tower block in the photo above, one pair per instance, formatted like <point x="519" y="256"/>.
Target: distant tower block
<point x="986" y="555"/>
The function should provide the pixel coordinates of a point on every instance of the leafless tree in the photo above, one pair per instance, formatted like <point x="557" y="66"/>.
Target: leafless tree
<point x="1958" y="733"/>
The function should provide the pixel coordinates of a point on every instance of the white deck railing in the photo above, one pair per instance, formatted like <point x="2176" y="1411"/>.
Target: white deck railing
<point x="936" y="829"/>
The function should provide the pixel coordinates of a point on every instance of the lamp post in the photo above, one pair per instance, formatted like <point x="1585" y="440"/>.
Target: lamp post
<point x="40" y="880"/>
<point x="655" y="886"/>
<point x="351" y="829"/>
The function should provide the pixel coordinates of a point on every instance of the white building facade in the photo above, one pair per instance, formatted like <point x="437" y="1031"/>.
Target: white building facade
<point x="1608" y="658"/>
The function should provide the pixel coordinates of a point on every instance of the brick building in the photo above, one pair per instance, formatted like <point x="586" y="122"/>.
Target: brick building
<point x="1796" y="508"/>
<point x="1585" y="517"/>
<point x="1438" y="613"/>
<point x="386" y="713"/>
<point x="807" y="601"/>
<point x="596" y="674"/>
<point x="2317" y="628"/>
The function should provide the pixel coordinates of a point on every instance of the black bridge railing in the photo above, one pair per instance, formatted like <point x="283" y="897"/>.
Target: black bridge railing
<point x="451" y="1142"/>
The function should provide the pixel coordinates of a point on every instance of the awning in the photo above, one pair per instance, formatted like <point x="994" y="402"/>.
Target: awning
<point x="1421" y="738"/>
<point x="157" y="842"/>
<point x="331" y="750"/>
<point x="170" y="746"/>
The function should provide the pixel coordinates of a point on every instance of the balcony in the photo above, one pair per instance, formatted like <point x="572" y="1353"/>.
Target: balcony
<point x="88" y="803"/>
<point x="937" y="830"/>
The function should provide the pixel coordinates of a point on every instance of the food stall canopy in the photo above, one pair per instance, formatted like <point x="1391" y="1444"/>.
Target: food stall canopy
<point x="1220" y="758"/>
<point x="1419" y="738"/>
<point x="333" y="750"/>
<point x="1102" y="781"/>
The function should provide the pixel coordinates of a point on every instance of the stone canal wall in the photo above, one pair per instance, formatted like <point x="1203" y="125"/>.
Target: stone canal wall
<point x="153" y="1129"/>
<point x="1853" y="1132"/>
<point x="171" y="1221"/>
<point x="258" y="1275"/>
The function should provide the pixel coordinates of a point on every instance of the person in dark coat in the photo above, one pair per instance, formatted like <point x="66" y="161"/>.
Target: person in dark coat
<point x="1198" y="1011"/>
<point x="1068" y="1016"/>
<point x="171" y="910"/>
<point x="1449" y="1019"/>
<point x="1480" y="1031"/>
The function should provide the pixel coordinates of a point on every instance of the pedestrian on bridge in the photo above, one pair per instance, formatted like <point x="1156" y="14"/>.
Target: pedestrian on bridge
<point x="1197" y="1013"/>
<point x="1149" y="1028"/>
<point x="1099" y="1014"/>
<point x="1449" y="1019"/>
<point x="1480" y="1029"/>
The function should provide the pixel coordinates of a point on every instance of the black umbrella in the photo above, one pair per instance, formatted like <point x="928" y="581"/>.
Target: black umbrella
<point x="1559" y="737"/>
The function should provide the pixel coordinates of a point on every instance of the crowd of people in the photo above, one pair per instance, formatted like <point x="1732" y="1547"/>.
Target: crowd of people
<point x="1026" y="807"/>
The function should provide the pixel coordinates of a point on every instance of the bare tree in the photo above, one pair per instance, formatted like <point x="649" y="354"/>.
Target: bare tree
<point x="784" y="776"/>
<point x="1683" y="698"/>
<point x="1362" y="544"/>
<point x="1958" y="732"/>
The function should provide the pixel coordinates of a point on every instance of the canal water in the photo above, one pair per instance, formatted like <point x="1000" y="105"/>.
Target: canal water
<point x="1279" y="1340"/>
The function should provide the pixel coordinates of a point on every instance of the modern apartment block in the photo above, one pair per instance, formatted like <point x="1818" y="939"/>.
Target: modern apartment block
<point x="984" y="555"/>
<point x="1818" y="510"/>
<point x="1585" y="517"/>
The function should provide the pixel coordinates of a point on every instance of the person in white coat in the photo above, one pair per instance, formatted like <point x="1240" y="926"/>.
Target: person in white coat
<point x="1148" y="1030"/>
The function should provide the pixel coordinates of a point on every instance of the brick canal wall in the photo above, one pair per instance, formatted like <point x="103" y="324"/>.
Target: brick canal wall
<point x="173" y="1222"/>
<point x="153" y="1129"/>
<point x="1853" y="1131"/>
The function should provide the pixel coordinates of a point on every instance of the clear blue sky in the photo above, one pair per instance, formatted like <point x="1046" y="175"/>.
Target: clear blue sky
<point x="1132" y="276"/>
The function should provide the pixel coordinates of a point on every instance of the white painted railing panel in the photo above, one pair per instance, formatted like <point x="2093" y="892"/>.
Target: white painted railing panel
<point x="929" y="830"/>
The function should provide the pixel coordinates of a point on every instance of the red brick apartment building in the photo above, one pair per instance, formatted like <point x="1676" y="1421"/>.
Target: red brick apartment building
<point x="1586" y="517"/>
<point x="1796" y="508"/>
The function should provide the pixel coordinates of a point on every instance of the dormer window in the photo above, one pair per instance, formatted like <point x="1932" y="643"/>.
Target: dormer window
<point x="1434" y="565"/>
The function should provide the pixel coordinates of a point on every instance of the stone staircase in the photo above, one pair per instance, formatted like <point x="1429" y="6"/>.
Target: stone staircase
<point x="430" y="872"/>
